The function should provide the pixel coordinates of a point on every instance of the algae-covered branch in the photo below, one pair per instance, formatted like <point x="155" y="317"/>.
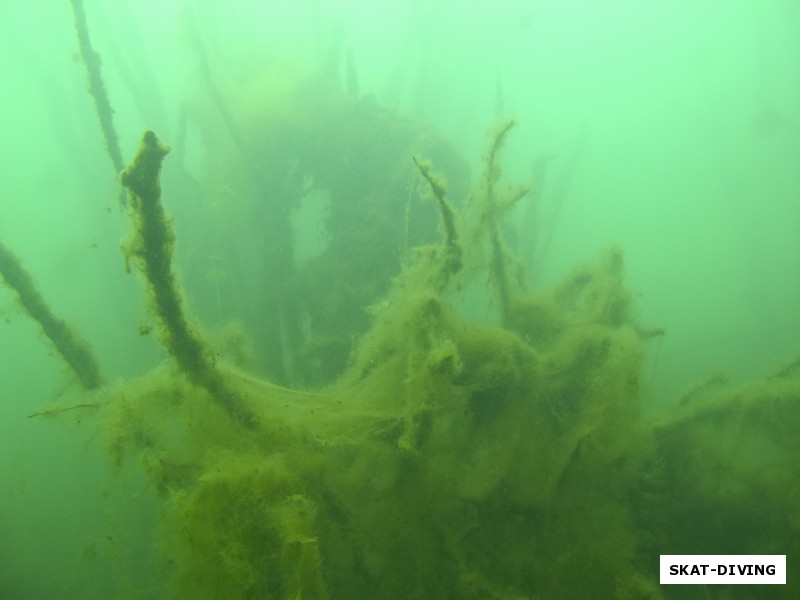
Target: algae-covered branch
<point x="72" y="348"/>
<point x="151" y="247"/>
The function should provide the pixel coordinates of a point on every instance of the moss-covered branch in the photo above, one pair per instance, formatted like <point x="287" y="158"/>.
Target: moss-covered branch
<point x="452" y="259"/>
<point x="70" y="346"/>
<point x="490" y="211"/>
<point x="97" y="88"/>
<point x="151" y="248"/>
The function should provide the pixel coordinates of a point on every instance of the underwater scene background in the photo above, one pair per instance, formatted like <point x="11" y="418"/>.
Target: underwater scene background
<point x="426" y="299"/>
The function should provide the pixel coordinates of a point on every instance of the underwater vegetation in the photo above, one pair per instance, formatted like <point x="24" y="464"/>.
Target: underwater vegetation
<point x="396" y="449"/>
<point x="348" y="160"/>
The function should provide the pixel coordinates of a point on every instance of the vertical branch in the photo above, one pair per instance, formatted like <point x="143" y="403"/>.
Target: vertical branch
<point x="97" y="89"/>
<point x="489" y="219"/>
<point x="151" y="247"/>
<point x="451" y="263"/>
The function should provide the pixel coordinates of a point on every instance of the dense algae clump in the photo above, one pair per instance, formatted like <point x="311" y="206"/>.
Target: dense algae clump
<point x="449" y="459"/>
<point x="434" y="469"/>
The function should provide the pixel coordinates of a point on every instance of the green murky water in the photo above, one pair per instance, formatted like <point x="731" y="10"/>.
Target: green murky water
<point x="448" y="301"/>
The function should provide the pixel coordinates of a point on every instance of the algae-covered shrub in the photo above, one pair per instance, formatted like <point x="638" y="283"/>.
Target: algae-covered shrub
<point x="451" y="460"/>
<point x="448" y="458"/>
<point x="730" y="473"/>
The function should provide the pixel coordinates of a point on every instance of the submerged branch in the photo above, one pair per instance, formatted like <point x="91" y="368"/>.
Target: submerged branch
<point x="451" y="263"/>
<point x="76" y="351"/>
<point x="491" y="209"/>
<point x="57" y="410"/>
<point x="151" y="247"/>
<point x="97" y="88"/>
